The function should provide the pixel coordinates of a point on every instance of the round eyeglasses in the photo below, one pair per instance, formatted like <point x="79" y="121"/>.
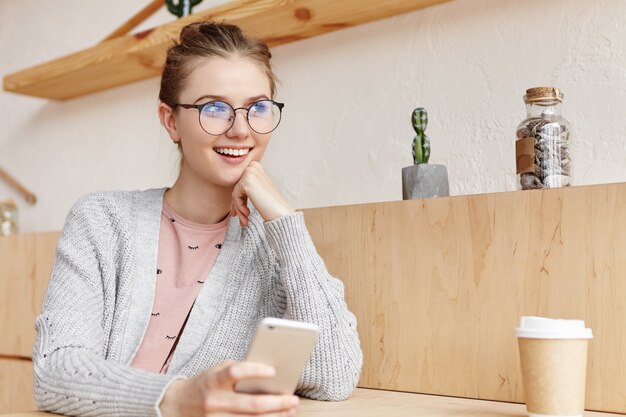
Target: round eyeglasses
<point x="217" y="117"/>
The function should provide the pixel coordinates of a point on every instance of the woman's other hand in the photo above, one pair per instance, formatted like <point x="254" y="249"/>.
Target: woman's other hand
<point x="212" y="393"/>
<point x="257" y="186"/>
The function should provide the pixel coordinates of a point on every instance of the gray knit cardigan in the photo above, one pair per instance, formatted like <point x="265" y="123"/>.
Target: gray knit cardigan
<point x="101" y="294"/>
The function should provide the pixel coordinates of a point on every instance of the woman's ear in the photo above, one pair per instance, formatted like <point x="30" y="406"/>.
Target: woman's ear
<point x="166" y="115"/>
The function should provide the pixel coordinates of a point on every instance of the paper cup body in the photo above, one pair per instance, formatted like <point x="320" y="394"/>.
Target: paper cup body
<point x="553" y="356"/>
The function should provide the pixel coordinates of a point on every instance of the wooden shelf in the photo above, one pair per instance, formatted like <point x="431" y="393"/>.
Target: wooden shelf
<point x="131" y="58"/>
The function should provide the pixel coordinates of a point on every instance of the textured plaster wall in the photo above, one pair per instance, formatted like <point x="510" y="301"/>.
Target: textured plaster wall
<point x="346" y="132"/>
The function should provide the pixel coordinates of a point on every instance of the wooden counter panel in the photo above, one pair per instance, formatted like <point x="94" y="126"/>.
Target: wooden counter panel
<point x="16" y="386"/>
<point x="25" y="265"/>
<point x="438" y="285"/>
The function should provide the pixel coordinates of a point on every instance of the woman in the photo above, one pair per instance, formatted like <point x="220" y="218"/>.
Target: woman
<point x="154" y="293"/>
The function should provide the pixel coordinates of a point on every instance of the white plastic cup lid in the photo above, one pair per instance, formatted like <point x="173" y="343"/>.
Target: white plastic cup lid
<point x="546" y="328"/>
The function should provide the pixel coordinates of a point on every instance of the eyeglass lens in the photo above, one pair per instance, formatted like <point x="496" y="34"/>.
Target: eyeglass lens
<point x="216" y="117"/>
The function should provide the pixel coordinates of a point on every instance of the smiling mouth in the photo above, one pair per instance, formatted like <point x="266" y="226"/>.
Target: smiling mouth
<point x="233" y="152"/>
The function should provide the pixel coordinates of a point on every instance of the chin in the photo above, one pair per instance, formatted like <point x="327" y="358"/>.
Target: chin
<point x="226" y="181"/>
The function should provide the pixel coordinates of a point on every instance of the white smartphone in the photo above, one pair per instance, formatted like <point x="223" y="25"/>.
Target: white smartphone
<point x="284" y="344"/>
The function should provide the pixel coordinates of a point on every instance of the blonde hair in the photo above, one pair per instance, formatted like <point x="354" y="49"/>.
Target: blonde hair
<point x="207" y="40"/>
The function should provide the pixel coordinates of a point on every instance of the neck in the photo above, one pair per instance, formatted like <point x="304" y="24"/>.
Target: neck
<point x="198" y="201"/>
<point x="543" y="109"/>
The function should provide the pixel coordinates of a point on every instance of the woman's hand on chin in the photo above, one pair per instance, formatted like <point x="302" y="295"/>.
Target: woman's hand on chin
<point x="257" y="186"/>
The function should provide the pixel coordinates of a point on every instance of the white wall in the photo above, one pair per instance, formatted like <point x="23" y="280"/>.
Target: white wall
<point x="346" y="132"/>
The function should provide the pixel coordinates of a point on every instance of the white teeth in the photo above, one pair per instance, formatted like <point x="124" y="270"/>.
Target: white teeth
<point x="232" y="152"/>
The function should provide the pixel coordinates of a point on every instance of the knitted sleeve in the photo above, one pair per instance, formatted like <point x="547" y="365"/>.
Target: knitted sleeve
<point x="312" y="295"/>
<point x="72" y="375"/>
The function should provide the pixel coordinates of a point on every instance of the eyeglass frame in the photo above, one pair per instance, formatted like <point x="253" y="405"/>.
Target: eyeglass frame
<point x="199" y="107"/>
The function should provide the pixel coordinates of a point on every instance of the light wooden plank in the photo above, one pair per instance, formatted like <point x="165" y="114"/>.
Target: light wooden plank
<point x="16" y="386"/>
<point x="438" y="285"/>
<point x="136" y="57"/>
<point x="25" y="265"/>
<point x="376" y="403"/>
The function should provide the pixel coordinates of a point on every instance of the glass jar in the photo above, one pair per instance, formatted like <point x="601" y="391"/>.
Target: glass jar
<point x="8" y="218"/>
<point x="543" y="139"/>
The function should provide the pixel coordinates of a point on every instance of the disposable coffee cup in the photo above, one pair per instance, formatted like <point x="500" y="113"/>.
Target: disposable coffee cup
<point x="553" y="355"/>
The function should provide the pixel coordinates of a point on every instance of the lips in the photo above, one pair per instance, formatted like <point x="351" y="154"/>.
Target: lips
<point x="233" y="152"/>
<point x="233" y="155"/>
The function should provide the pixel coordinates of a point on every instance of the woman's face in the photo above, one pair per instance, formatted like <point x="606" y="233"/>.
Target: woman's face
<point x="235" y="80"/>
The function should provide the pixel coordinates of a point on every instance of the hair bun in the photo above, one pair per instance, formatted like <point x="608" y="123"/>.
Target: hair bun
<point x="207" y="40"/>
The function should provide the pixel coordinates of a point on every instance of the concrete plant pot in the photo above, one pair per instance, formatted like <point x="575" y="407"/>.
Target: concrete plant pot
<point x="424" y="181"/>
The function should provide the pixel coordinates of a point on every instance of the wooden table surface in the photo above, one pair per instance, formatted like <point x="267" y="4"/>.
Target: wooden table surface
<point x="377" y="403"/>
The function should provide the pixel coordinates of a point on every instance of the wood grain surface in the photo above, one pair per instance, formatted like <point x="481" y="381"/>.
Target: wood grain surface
<point x="25" y="265"/>
<point x="16" y="386"/>
<point x="377" y="403"/>
<point x="135" y="57"/>
<point x="438" y="285"/>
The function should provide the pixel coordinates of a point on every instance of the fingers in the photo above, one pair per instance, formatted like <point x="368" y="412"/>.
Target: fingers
<point x="226" y="364"/>
<point x="221" y="399"/>
<point x="229" y="376"/>
<point x="265" y="405"/>
<point x="259" y="172"/>
<point x="240" y="204"/>
<point x="243" y="217"/>
<point x="287" y="413"/>
<point x="255" y="185"/>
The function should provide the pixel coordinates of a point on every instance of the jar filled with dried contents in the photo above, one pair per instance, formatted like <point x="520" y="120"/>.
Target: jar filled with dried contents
<point x="8" y="218"/>
<point x="543" y="141"/>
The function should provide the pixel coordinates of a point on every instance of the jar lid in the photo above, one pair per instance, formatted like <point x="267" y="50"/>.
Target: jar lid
<point x="543" y="94"/>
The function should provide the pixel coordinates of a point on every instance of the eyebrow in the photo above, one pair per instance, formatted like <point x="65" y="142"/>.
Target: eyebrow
<point x="222" y="98"/>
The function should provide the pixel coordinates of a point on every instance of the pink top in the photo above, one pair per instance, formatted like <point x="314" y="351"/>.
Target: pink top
<point x="187" y="251"/>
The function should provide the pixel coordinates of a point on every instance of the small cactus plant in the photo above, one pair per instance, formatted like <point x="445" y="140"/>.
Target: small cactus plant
<point x="181" y="7"/>
<point x="421" y="144"/>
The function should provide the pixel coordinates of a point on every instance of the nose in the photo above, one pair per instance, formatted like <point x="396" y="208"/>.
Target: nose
<point x="240" y="128"/>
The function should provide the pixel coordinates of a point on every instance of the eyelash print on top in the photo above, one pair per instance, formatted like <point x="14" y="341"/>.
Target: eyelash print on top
<point x="155" y="314"/>
<point x="193" y="247"/>
<point x="170" y="337"/>
<point x="200" y="282"/>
